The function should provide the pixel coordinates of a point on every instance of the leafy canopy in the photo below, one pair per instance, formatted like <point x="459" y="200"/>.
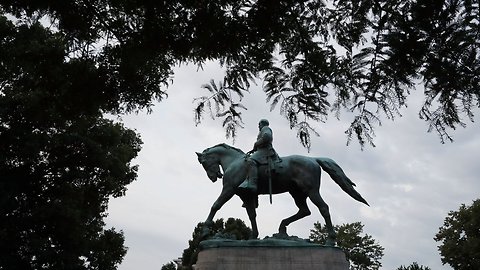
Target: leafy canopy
<point x="361" y="250"/>
<point x="169" y="266"/>
<point x="318" y="57"/>
<point x="61" y="160"/>
<point x="233" y="228"/>
<point x="314" y="58"/>
<point x="459" y="237"/>
<point x="414" y="266"/>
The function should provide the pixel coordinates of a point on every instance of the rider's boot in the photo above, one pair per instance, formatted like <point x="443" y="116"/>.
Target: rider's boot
<point x="250" y="183"/>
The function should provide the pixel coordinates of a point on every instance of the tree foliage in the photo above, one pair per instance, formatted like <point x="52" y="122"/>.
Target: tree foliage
<point x="61" y="160"/>
<point x="414" y="266"/>
<point x="314" y="58"/>
<point x="169" y="266"/>
<point x="460" y="237"/>
<point x="231" y="229"/>
<point x="361" y="250"/>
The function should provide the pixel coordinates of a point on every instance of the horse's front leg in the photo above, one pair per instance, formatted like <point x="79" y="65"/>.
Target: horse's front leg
<point x="227" y="194"/>
<point x="250" y="205"/>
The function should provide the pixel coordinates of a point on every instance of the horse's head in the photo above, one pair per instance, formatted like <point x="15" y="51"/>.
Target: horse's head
<point x="211" y="164"/>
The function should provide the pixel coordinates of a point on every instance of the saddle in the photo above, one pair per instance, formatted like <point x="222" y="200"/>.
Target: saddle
<point x="268" y="170"/>
<point x="274" y="163"/>
<point x="269" y="166"/>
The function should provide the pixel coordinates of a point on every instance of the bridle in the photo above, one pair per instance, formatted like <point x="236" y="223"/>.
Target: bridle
<point x="212" y="168"/>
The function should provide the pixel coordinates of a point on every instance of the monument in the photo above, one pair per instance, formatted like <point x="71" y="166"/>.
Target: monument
<point x="262" y="171"/>
<point x="269" y="254"/>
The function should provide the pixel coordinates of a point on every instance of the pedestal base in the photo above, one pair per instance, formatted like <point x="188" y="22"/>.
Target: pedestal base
<point x="267" y="256"/>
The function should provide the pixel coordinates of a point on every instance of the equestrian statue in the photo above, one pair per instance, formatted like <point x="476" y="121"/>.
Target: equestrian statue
<point x="262" y="171"/>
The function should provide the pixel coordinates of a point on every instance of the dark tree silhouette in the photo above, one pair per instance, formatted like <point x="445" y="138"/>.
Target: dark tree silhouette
<point x="459" y="237"/>
<point x="361" y="251"/>
<point x="414" y="266"/>
<point x="314" y="57"/>
<point x="61" y="160"/>
<point x="169" y="266"/>
<point x="232" y="228"/>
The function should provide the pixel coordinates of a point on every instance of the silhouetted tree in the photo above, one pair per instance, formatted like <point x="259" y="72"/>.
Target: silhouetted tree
<point x="61" y="160"/>
<point x="414" y="266"/>
<point x="169" y="266"/>
<point x="232" y="228"/>
<point x="361" y="250"/>
<point x="314" y="57"/>
<point x="460" y="237"/>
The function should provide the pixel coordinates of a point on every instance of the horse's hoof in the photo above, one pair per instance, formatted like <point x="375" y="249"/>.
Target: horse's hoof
<point x="330" y="242"/>
<point x="280" y="235"/>
<point x="205" y="232"/>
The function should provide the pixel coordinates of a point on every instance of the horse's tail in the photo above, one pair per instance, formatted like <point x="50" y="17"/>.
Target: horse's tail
<point x="337" y="174"/>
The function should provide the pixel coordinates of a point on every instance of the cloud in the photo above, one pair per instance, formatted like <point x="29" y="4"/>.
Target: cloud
<point x="410" y="180"/>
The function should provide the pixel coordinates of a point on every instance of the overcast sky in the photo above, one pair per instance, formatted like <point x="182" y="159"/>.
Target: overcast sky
<point x="410" y="179"/>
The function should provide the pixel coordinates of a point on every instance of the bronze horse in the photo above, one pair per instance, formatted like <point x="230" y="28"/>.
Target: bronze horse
<point x="297" y="175"/>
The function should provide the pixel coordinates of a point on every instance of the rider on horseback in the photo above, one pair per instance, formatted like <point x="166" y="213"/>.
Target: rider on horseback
<point x="262" y="151"/>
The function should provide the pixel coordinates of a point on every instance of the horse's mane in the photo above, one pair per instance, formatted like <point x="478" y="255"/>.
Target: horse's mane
<point x="224" y="145"/>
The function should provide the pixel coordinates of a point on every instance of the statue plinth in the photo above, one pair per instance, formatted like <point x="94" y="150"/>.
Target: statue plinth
<point x="269" y="254"/>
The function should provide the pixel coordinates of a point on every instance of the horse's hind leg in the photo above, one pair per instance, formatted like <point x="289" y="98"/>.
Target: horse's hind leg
<point x="303" y="211"/>
<point x="323" y="207"/>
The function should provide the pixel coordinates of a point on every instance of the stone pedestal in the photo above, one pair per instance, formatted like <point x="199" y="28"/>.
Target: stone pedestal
<point x="269" y="255"/>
